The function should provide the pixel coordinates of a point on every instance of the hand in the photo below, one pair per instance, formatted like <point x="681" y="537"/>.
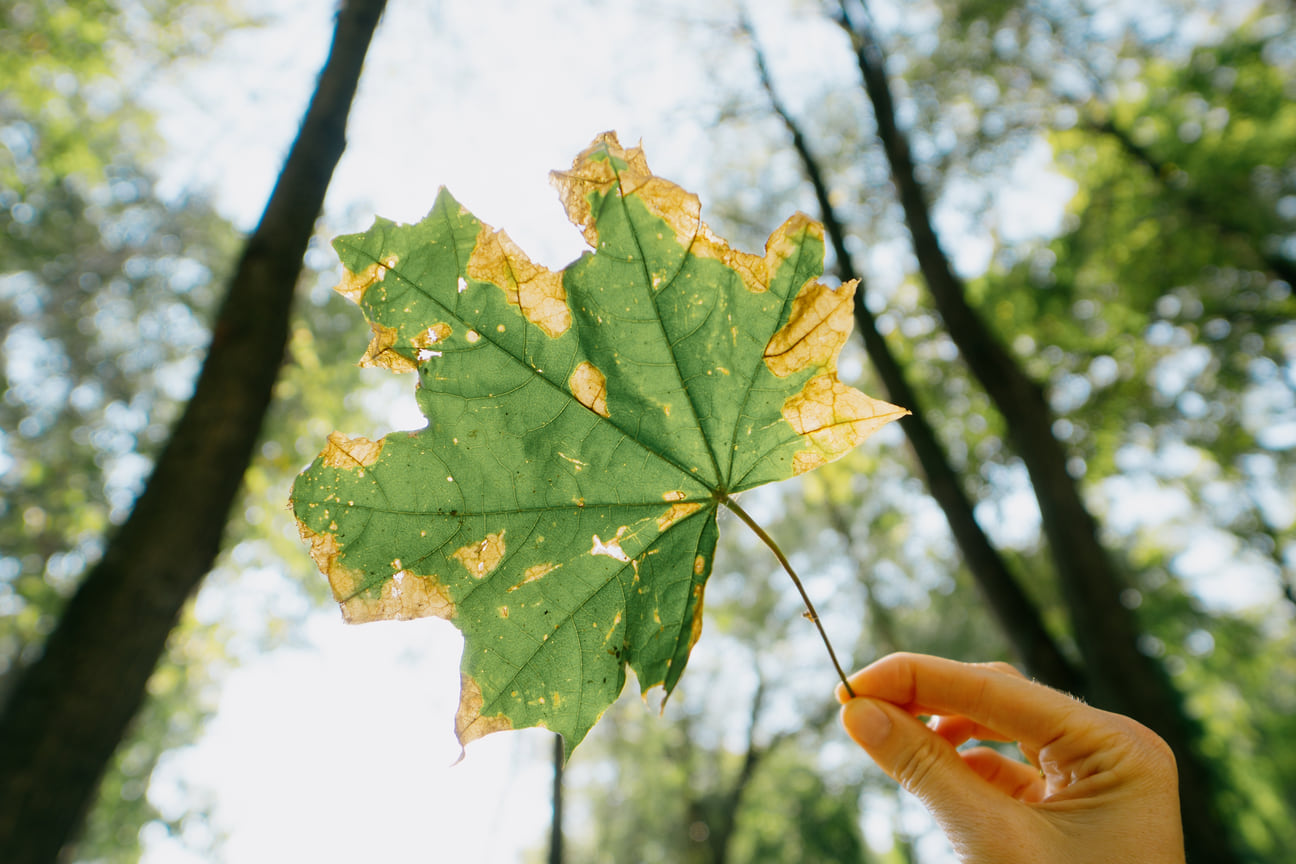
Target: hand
<point x="1099" y="788"/>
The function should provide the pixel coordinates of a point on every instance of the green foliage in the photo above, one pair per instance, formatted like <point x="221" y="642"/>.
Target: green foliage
<point x="584" y="428"/>
<point x="105" y="293"/>
<point x="70" y="68"/>
<point x="1161" y="318"/>
<point x="102" y="311"/>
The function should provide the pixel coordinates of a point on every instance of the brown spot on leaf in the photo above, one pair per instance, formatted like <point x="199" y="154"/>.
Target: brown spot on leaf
<point x="536" y="291"/>
<point x="833" y="418"/>
<point x="817" y="328"/>
<point x="589" y="386"/>
<point x="480" y="558"/>
<point x="344" y="452"/>
<point x="469" y="722"/>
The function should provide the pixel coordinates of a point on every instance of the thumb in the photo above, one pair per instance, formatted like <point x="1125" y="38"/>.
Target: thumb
<point x="917" y="758"/>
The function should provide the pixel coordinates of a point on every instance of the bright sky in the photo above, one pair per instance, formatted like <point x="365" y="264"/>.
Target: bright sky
<point x="340" y="750"/>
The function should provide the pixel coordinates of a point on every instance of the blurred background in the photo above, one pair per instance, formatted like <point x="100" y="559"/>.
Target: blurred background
<point x="1075" y="226"/>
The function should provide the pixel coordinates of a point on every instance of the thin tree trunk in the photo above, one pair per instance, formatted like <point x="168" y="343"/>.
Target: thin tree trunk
<point x="69" y="710"/>
<point x="1017" y="615"/>
<point x="722" y="832"/>
<point x="556" y="810"/>
<point x="1121" y="677"/>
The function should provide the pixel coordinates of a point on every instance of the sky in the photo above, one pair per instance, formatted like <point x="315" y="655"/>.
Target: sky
<point x="340" y="746"/>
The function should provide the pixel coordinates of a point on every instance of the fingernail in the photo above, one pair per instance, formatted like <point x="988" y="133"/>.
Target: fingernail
<point x="866" y="722"/>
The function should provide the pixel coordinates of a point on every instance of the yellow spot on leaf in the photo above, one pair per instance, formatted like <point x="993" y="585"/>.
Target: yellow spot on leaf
<point x="699" y="565"/>
<point x="436" y="333"/>
<point x="536" y="291"/>
<point x="807" y="460"/>
<point x="613" y="629"/>
<point x="593" y="172"/>
<point x="469" y="722"/>
<point x="677" y="512"/>
<point x="534" y="573"/>
<point x="589" y="386"/>
<point x="833" y="418"/>
<point x="324" y="551"/>
<point x="353" y="285"/>
<point x="344" y="452"/>
<point x="695" y="627"/>
<point x="480" y="558"/>
<point x="405" y="595"/>
<point x="382" y="353"/>
<point x="817" y="328"/>
<point x="576" y="463"/>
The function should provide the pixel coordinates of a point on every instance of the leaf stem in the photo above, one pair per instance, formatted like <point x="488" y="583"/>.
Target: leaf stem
<point x="796" y="580"/>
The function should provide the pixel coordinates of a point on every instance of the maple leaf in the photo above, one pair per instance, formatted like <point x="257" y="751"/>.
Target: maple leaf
<point x="583" y="429"/>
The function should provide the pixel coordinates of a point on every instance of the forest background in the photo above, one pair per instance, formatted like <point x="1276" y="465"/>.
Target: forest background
<point x="1075" y="223"/>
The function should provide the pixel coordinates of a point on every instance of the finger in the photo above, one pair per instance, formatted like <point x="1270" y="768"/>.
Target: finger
<point x="957" y="730"/>
<point x="998" y="665"/>
<point x="1015" y="779"/>
<point x="1002" y="704"/>
<point x="919" y="760"/>
<point x="1001" y="666"/>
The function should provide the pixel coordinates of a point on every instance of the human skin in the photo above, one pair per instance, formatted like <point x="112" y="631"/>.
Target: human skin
<point x="1100" y="788"/>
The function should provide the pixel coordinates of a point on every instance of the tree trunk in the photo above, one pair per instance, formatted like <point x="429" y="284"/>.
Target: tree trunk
<point x="69" y="710"/>
<point x="1121" y="677"/>
<point x="1016" y="613"/>
<point x="556" y="820"/>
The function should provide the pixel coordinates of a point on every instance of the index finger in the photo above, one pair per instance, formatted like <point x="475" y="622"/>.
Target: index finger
<point x="1016" y="709"/>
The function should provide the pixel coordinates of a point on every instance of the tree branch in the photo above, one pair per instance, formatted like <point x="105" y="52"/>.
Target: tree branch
<point x="1016" y="613"/>
<point x="1121" y="677"/>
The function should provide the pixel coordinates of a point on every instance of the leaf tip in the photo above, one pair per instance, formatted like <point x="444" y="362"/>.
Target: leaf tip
<point x="350" y="453"/>
<point x="470" y="724"/>
<point x="536" y="291"/>
<point x="818" y="326"/>
<point x="833" y="418"/>
<point x="354" y="285"/>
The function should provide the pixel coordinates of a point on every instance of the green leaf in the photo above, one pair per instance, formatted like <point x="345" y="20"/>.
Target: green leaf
<point x="584" y="427"/>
